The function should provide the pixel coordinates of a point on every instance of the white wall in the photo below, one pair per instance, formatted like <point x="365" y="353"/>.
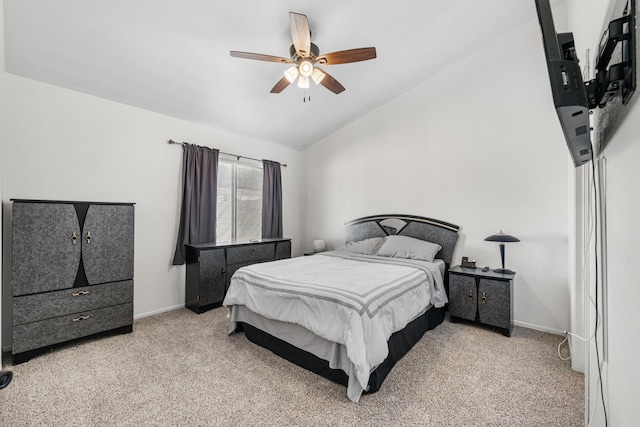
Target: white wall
<point x="478" y="145"/>
<point x="65" y="145"/>
<point x="622" y="153"/>
<point x="623" y="210"/>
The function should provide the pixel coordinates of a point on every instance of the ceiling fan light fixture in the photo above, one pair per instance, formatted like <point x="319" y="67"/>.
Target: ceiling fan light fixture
<point x="303" y="82"/>
<point x="317" y="75"/>
<point x="305" y="67"/>
<point x="291" y="73"/>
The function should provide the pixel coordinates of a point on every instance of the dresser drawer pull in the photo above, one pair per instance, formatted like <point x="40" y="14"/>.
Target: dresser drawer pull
<point x="470" y="295"/>
<point x="74" y="238"/>
<point x="79" y="318"/>
<point x="484" y="297"/>
<point x="80" y="293"/>
<point x="89" y="237"/>
<point x="252" y="249"/>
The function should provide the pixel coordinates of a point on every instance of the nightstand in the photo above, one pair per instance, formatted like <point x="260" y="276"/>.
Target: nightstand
<point x="482" y="297"/>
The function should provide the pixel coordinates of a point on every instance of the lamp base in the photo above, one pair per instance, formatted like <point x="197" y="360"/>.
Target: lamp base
<point x="503" y="271"/>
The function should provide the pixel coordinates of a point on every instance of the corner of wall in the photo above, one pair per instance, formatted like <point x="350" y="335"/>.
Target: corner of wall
<point x="2" y="157"/>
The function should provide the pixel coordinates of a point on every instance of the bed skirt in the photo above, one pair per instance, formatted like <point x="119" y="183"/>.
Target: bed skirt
<point x="399" y="344"/>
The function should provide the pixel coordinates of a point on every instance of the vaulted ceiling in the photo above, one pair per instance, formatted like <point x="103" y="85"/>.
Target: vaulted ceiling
<point x="172" y="56"/>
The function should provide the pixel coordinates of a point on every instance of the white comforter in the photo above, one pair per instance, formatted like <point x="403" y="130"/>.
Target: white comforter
<point x="354" y="300"/>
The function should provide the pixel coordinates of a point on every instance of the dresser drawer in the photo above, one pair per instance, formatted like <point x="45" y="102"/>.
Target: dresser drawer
<point x="34" y="335"/>
<point x="32" y="308"/>
<point x="251" y="253"/>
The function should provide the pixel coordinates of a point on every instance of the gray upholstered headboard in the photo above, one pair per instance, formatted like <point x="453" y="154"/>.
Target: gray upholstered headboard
<point x="432" y="230"/>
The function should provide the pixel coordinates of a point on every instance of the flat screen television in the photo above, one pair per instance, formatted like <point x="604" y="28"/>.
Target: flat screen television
<point x="615" y="68"/>
<point x="567" y="86"/>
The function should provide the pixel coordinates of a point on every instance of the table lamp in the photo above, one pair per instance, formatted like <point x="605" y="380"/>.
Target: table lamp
<point x="502" y="238"/>
<point x="318" y="246"/>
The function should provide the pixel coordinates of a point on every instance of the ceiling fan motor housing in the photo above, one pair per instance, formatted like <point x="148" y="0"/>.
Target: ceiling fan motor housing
<point x="315" y="51"/>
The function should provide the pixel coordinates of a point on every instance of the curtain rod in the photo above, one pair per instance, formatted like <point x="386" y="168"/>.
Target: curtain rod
<point x="171" y="141"/>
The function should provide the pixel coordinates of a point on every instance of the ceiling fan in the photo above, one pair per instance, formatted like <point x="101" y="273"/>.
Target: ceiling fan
<point x="306" y="56"/>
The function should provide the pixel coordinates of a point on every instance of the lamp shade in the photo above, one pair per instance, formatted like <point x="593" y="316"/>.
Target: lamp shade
<point x="317" y="75"/>
<point x="303" y="82"/>
<point x="291" y="73"/>
<point x="502" y="237"/>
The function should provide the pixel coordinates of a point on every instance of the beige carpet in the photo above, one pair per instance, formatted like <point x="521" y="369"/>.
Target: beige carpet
<point x="179" y="368"/>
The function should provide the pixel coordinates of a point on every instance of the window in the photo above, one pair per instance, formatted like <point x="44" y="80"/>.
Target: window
<point x="239" y="210"/>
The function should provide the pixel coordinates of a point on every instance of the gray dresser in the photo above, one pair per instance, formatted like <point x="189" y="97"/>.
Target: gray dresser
<point x="211" y="265"/>
<point x="71" y="272"/>
<point x="483" y="297"/>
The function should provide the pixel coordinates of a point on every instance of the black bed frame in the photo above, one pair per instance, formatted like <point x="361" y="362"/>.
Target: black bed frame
<point x="443" y="233"/>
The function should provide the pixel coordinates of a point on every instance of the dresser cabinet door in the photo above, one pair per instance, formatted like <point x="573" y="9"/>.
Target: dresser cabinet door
<point x="107" y="243"/>
<point x="494" y="304"/>
<point x="46" y="247"/>
<point x="231" y="269"/>
<point x="283" y="250"/>
<point x="212" y="276"/>
<point x="462" y="296"/>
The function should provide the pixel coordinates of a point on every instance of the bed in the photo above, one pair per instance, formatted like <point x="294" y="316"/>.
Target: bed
<point x="349" y="314"/>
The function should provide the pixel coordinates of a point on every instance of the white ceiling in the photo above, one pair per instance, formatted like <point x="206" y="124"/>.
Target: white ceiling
<point x="172" y="56"/>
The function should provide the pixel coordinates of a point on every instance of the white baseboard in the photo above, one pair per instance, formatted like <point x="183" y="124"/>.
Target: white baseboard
<point x="538" y="328"/>
<point x="162" y="310"/>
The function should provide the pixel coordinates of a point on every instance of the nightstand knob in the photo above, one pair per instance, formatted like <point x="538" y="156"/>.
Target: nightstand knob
<point x="484" y="297"/>
<point x="470" y="295"/>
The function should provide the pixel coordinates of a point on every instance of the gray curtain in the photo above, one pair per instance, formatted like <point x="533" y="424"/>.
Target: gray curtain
<point x="271" y="199"/>
<point x="198" y="213"/>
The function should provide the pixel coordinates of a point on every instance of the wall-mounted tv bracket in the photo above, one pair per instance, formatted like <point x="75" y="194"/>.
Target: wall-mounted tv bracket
<point x="616" y="78"/>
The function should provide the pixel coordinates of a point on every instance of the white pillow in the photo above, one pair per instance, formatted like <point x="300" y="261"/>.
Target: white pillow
<point x="408" y="247"/>
<point x="366" y="247"/>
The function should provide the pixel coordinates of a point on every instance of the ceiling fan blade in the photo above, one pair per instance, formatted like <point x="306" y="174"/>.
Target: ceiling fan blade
<point x="330" y="83"/>
<point x="300" y="33"/>
<point x="260" y="57"/>
<point x="281" y="85"/>
<point x="347" y="56"/>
